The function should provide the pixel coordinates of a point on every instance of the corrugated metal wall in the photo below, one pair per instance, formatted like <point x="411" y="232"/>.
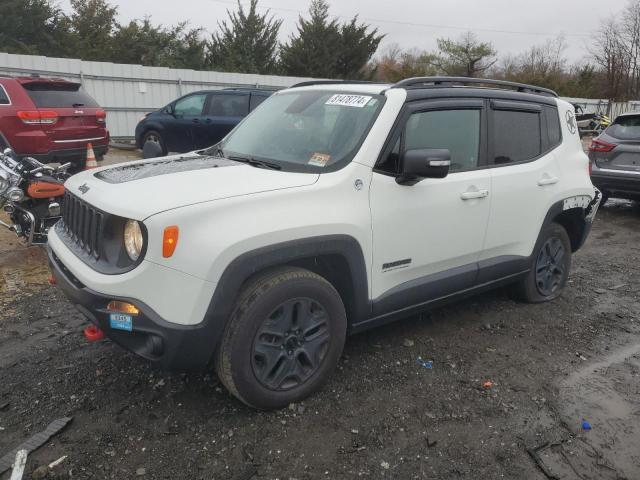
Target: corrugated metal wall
<point x="129" y="91"/>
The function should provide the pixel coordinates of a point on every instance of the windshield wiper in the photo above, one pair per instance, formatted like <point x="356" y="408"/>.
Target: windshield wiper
<point x="255" y="163"/>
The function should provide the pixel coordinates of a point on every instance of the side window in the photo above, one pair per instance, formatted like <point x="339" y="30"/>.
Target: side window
<point x="256" y="100"/>
<point x="4" y="98"/>
<point x="553" y="127"/>
<point x="228" y="105"/>
<point x="455" y="130"/>
<point x="515" y="136"/>
<point x="190" y="106"/>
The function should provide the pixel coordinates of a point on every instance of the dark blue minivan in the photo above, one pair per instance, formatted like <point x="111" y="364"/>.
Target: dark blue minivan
<point x="199" y="119"/>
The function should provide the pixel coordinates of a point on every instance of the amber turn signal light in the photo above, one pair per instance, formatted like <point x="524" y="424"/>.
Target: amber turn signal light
<point x="170" y="241"/>
<point x="122" y="307"/>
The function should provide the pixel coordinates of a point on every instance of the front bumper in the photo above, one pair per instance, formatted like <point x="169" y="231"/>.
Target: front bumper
<point x="172" y="346"/>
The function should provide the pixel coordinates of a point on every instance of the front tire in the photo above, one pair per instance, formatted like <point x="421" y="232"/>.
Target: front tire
<point x="283" y="340"/>
<point x="550" y="266"/>
<point x="154" y="136"/>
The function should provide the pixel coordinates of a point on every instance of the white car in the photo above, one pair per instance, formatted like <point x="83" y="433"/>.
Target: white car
<point x="332" y="208"/>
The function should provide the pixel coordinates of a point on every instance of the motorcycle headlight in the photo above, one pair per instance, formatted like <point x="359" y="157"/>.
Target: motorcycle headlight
<point x="4" y="181"/>
<point x="15" y="194"/>
<point x="133" y="239"/>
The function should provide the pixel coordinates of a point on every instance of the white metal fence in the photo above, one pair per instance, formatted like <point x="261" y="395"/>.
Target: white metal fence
<point x="590" y="105"/>
<point x="127" y="92"/>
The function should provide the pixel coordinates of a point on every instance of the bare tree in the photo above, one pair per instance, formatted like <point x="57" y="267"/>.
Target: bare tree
<point x="610" y="53"/>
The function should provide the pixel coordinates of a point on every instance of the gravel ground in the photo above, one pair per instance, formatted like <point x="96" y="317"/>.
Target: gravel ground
<point x="382" y="415"/>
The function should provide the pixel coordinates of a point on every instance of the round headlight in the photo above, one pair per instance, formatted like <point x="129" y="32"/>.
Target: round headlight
<point x="4" y="181"/>
<point x="133" y="239"/>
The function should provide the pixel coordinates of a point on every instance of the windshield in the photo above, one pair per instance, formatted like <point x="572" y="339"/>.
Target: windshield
<point x="305" y="130"/>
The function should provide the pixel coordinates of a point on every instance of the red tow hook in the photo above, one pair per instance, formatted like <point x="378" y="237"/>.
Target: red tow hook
<point x="93" y="333"/>
<point x="52" y="279"/>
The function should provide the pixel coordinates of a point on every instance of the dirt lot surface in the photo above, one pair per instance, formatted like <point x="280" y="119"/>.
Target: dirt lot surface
<point x="382" y="415"/>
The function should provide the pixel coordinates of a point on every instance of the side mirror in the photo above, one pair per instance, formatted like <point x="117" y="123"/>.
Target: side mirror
<point x="169" y="109"/>
<point x="424" y="163"/>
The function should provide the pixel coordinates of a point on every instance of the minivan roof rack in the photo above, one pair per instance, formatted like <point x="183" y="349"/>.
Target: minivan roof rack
<point x="434" y="82"/>
<point x="335" y="82"/>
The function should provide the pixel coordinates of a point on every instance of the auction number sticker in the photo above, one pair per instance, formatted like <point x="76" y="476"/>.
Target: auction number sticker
<point x="319" y="159"/>
<point x="358" y="101"/>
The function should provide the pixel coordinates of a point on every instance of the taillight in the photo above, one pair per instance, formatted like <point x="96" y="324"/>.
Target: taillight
<point x="590" y="167"/>
<point x="601" y="146"/>
<point x="101" y="116"/>
<point x="38" y="117"/>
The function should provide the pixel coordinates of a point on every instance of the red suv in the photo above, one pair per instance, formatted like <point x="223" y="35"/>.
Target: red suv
<point x="50" y="119"/>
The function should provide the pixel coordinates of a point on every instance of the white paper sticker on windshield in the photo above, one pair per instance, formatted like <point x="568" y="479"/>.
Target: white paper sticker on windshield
<point x="358" y="101"/>
<point x="319" y="159"/>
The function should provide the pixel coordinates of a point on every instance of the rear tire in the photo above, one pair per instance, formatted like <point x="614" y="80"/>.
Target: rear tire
<point x="283" y="340"/>
<point x="550" y="266"/>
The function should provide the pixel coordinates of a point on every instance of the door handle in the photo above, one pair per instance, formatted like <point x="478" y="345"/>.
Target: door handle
<point x="196" y="120"/>
<point x="547" y="180"/>
<point x="470" y="195"/>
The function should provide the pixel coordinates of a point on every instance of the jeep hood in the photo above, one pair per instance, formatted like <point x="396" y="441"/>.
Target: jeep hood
<point x="140" y="189"/>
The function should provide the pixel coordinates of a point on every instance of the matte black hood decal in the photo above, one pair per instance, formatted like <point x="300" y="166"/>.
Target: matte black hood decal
<point x="137" y="171"/>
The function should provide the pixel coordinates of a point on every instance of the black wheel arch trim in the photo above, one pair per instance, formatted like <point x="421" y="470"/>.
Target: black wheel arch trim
<point x="289" y="253"/>
<point x="579" y="214"/>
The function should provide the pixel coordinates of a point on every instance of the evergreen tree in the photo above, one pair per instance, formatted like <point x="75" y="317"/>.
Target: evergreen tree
<point x="324" y="48"/>
<point x="93" y="23"/>
<point x="34" y="27"/>
<point x="465" y="57"/>
<point x="141" y="42"/>
<point x="313" y="51"/>
<point x="248" y="43"/>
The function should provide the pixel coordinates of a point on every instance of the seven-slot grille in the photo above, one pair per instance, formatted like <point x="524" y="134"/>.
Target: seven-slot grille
<point x="83" y="224"/>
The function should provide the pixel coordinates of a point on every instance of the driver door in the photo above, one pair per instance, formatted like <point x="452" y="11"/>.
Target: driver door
<point x="427" y="238"/>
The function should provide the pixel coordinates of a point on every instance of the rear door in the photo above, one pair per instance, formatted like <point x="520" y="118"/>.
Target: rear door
<point x="223" y="112"/>
<point x="525" y="180"/>
<point x="79" y="117"/>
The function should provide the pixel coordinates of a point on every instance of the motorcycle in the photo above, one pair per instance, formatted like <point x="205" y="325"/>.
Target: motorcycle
<point x="31" y="193"/>
<point x="591" y="123"/>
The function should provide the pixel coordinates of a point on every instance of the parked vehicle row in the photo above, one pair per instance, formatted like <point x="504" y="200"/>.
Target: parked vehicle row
<point x="333" y="208"/>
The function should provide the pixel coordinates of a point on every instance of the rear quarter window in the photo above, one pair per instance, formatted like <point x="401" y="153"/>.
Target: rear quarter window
<point x="554" y="132"/>
<point x="4" y="98"/>
<point x="625" y="128"/>
<point x="256" y="100"/>
<point x="59" y="96"/>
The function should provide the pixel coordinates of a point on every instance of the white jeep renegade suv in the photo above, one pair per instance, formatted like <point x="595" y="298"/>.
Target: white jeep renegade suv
<point x="333" y="208"/>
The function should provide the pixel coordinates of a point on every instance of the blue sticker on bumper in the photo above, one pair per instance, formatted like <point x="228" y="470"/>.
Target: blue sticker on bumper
<point x="121" y="321"/>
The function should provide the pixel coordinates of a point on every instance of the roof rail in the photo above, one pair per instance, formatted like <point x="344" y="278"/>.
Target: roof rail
<point x="334" y="82"/>
<point x="434" y="82"/>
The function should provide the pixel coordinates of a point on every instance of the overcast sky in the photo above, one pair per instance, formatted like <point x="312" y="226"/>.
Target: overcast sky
<point x="511" y="25"/>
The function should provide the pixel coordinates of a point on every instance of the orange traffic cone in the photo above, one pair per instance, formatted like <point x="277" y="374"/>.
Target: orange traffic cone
<point x="91" y="158"/>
